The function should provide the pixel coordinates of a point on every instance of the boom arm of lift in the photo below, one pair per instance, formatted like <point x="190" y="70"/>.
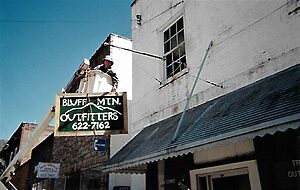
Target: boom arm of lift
<point x="7" y="174"/>
<point x="38" y="131"/>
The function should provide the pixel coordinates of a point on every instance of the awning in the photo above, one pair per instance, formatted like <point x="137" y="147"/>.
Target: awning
<point x="264" y="107"/>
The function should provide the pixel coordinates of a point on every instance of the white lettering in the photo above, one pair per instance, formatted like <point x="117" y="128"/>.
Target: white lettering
<point x="293" y="173"/>
<point x="108" y="116"/>
<point x="100" y="101"/>
<point x="73" y="102"/>
<point x="100" y="125"/>
<point x="64" y="102"/>
<point x="115" y="101"/>
<point x="108" y="101"/>
<point x="296" y="163"/>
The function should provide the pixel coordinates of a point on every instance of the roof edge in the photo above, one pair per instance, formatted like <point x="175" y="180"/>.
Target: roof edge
<point x="282" y="124"/>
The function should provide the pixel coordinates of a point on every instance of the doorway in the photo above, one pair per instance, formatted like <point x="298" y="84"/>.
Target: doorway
<point x="237" y="176"/>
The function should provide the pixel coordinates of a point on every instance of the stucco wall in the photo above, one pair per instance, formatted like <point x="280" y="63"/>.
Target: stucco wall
<point x="252" y="39"/>
<point x="123" y="63"/>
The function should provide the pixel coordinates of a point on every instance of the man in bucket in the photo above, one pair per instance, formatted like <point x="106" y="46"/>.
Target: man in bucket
<point x="105" y="67"/>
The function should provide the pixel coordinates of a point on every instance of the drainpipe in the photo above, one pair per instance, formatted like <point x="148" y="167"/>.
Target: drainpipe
<point x="191" y="93"/>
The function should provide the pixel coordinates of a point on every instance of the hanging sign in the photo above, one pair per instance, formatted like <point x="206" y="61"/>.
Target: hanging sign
<point x="91" y="114"/>
<point x="47" y="170"/>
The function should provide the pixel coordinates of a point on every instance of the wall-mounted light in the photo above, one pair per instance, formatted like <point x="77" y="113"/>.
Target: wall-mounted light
<point x="139" y="19"/>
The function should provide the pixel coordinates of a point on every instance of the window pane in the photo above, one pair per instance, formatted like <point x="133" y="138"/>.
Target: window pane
<point x="176" y="54"/>
<point x="202" y="183"/>
<point x="180" y="37"/>
<point x="239" y="182"/>
<point x="173" y="42"/>
<point x="183" y="63"/>
<point x="173" y="29"/>
<point x="177" y="67"/>
<point x="166" y="35"/>
<point x="169" y="71"/>
<point x="180" y="24"/>
<point x="167" y="47"/>
<point x="181" y="50"/>
<point x="169" y="59"/>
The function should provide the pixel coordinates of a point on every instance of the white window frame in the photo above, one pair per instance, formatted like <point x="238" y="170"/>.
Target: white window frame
<point x="171" y="50"/>
<point x="246" y="167"/>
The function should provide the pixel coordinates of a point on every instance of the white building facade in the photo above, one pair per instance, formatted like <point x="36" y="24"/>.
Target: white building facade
<point x="251" y="40"/>
<point x="254" y="44"/>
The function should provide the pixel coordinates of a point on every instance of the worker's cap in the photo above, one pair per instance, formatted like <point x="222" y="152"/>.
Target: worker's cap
<point x="109" y="58"/>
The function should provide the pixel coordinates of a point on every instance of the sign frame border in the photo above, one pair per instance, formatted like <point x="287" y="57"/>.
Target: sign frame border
<point x="90" y="133"/>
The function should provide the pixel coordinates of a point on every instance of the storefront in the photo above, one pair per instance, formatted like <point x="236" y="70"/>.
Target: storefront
<point x="246" y="139"/>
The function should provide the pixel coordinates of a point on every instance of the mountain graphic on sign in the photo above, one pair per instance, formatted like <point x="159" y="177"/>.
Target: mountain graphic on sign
<point x="101" y="108"/>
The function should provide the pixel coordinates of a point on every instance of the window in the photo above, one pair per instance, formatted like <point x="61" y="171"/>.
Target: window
<point x="231" y="180"/>
<point x="237" y="176"/>
<point x="174" y="48"/>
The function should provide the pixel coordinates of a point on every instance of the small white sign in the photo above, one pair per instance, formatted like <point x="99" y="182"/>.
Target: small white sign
<point x="47" y="170"/>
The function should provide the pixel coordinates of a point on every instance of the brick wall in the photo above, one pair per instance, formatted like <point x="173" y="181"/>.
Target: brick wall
<point x="76" y="153"/>
<point x="77" y="156"/>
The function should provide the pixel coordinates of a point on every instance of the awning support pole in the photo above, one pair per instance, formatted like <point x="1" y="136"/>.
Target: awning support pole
<point x="191" y="93"/>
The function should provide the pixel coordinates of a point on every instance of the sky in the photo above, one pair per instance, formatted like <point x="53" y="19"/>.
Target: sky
<point x="42" y="43"/>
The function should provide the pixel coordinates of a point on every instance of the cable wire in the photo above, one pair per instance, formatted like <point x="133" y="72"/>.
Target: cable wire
<point x="251" y="24"/>
<point x="172" y="7"/>
<point x="149" y="74"/>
